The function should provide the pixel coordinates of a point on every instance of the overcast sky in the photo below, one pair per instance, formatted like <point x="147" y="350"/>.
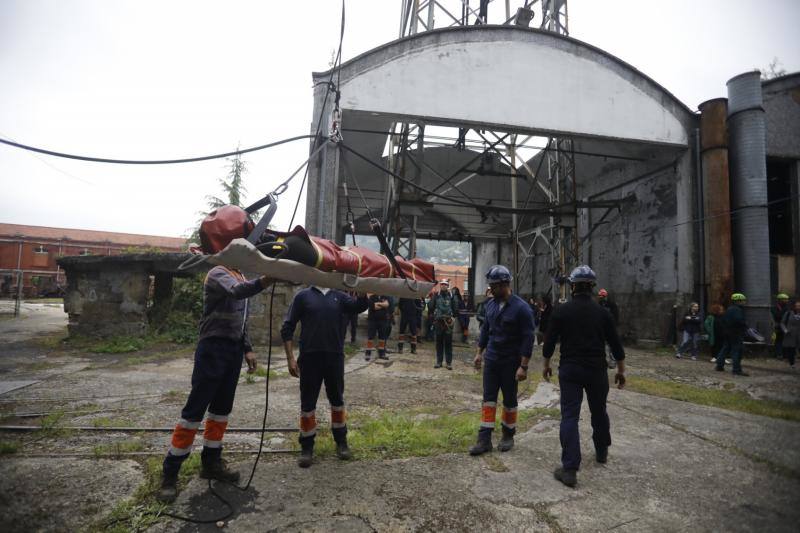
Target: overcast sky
<point x="168" y="79"/>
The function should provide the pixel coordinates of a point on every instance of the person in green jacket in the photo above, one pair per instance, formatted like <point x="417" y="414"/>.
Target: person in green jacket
<point x="713" y="328"/>
<point x="734" y="327"/>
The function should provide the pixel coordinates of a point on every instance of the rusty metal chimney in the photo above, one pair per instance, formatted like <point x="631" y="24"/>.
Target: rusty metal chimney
<point x="748" y="168"/>
<point x="716" y="200"/>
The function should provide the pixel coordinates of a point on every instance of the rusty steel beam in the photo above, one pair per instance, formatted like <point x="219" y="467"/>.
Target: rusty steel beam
<point x="716" y="200"/>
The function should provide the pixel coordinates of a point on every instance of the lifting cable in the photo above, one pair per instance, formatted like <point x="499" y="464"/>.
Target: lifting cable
<point x="155" y="161"/>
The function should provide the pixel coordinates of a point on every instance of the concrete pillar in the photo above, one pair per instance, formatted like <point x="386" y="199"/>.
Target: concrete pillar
<point x="323" y="172"/>
<point x="485" y="256"/>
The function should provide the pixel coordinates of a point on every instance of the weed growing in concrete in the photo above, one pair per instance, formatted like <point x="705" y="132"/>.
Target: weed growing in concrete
<point x="725" y="399"/>
<point x="108" y="422"/>
<point x="118" y="448"/>
<point x="398" y="435"/>
<point x="8" y="447"/>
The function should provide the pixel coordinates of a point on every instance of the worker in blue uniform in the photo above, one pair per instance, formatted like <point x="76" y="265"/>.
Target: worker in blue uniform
<point x="504" y="350"/>
<point x="322" y="313"/>
<point x="217" y="364"/>
<point x="584" y="328"/>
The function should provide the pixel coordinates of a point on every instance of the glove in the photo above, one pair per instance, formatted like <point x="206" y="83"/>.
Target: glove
<point x="619" y="380"/>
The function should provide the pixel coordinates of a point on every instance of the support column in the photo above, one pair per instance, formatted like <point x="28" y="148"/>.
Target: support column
<point x="323" y="172"/>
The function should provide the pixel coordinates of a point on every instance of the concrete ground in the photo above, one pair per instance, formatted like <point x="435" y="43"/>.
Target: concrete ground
<point x="674" y="466"/>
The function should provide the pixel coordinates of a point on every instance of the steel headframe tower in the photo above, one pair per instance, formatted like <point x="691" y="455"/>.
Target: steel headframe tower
<point x="556" y="179"/>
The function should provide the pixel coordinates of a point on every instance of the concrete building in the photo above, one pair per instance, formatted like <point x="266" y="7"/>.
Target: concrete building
<point x="546" y="152"/>
<point x="33" y="251"/>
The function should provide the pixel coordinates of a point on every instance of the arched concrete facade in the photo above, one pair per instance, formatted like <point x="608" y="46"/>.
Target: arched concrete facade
<point x="530" y="82"/>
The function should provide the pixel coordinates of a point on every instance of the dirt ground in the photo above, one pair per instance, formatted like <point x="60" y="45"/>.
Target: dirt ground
<point x="673" y="466"/>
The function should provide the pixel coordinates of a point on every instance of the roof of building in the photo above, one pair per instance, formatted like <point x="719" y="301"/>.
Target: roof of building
<point x="85" y="236"/>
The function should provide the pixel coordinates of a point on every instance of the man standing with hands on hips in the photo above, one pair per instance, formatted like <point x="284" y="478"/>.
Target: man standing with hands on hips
<point x="506" y="344"/>
<point x="583" y="327"/>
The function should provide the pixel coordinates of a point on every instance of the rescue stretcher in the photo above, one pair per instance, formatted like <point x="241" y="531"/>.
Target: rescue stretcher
<point x="300" y="258"/>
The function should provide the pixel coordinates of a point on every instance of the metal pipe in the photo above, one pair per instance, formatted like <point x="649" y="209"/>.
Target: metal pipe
<point x="748" y="166"/>
<point x="698" y="176"/>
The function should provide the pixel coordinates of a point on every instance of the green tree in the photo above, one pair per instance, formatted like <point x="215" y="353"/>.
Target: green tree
<point x="233" y="191"/>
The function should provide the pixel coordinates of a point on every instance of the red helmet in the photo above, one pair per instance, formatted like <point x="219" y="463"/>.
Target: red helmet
<point x="222" y="225"/>
<point x="602" y="293"/>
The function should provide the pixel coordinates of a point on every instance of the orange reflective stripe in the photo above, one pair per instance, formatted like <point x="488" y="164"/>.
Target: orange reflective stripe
<point x="338" y="417"/>
<point x="369" y="345"/>
<point x="183" y="437"/>
<point x="215" y="430"/>
<point x="381" y="345"/>
<point x="509" y="417"/>
<point x="308" y="423"/>
<point x="489" y="412"/>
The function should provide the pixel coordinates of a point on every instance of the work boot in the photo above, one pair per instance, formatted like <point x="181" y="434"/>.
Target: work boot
<point x="740" y="373"/>
<point x="219" y="470"/>
<point x="507" y="442"/>
<point x="601" y="454"/>
<point x="306" y="457"/>
<point x="343" y="451"/>
<point x="169" y="490"/>
<point x="413" y="348"/>
<point x="367" y="355"/>
<point x="483" y="445"/>
<point x="399" y="347"/>
<point x="382" y="355"/>
<point x="567" y="477"/>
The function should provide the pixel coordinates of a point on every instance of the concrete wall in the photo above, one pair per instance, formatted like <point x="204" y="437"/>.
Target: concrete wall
<point x="259" y="321"/>
<point x="451" y="74"/>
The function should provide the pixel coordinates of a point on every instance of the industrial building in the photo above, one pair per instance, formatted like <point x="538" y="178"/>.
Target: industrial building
<point x="546" y="152"/>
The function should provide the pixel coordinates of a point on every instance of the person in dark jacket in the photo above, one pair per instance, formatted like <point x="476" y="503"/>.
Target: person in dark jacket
<point x="223" y="345"/>
<point x="691" y="324"/>
<point x="445" y="313"/>
<point x="790" y="326"/>
<point x="409" y="321"/>
<point x="379" y="324"/>
<point x="777" y="312"/>
<point x="480" y="311"/>
<point x="321" y="313"/>
<point x="733" y="328"/>
<point x="463" y="316"/>
<point x="713" y="328"/>
<point x="504" y="349"/>
<point x="544" y="317"/>
<point x="584" y="328"/>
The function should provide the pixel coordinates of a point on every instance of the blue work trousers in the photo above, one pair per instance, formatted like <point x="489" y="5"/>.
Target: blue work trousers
<point x="732" y="346"/>
<point x="573" y="379"/>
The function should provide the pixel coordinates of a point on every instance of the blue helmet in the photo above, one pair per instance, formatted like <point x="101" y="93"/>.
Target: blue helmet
<point x="498" y="274"/>
<point x="582" y="274"/>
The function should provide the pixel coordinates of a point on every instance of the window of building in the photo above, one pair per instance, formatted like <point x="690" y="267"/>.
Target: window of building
<point x="85" y="251"/>
<point x="40" y="250"/>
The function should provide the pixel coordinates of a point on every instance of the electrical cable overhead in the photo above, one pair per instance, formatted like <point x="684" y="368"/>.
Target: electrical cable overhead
<point x="154" y="161"/>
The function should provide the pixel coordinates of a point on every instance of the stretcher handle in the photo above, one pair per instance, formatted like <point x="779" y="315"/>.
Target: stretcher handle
<point x="192" y="262"/>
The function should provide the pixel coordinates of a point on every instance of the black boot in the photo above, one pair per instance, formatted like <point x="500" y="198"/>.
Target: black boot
<point x="507" y="442"/>
<point x="601" y="454"/>
<point x="367" y="355"/>
<point x="306" y="456"/>
<point x="399" y="347"/>
<point x="169" y="490"/>
<point x="343" y="451"/>
<point x="413" y="348"/>
<point x="218" y="470"/>
<point x="567" y="477"/>
<point x="483" y="445"/>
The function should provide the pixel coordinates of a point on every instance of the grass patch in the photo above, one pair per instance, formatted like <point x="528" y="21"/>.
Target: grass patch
<point x="8" y="447"/>
<point x="725" y="399"/>
<point x="142" y="510"/>
<point x="118" y="448"/>
<point x="121" y="344"/>
<point x="50" y="425"/>
<point x="351" y="349"/>
<point x="394" y="435"/>
<point x="45" y="301"/>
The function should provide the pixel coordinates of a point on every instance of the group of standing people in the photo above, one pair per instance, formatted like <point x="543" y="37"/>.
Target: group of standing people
<point x="786" y="317"/>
